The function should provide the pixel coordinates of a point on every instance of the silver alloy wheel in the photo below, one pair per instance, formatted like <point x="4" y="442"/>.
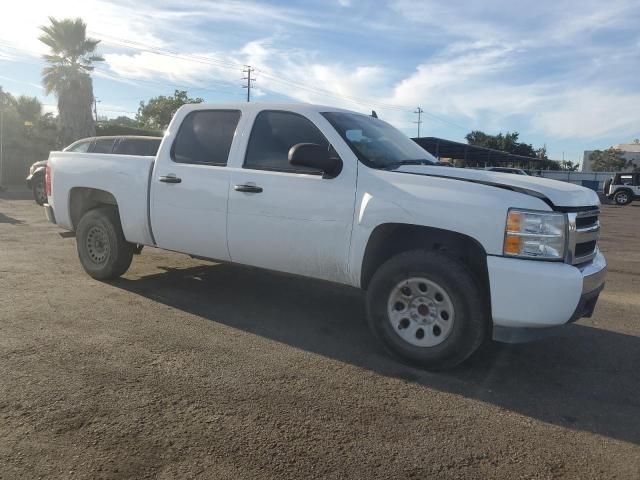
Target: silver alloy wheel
<point x="420" y="312"/>
<point x="622" y="198"/>
<point x="97" y="244"/>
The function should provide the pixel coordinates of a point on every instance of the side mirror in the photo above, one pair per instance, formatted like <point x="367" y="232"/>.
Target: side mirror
<point x="315" y="156"/>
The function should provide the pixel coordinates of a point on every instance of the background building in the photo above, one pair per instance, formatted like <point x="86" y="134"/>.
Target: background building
<point x="630" y="151"/>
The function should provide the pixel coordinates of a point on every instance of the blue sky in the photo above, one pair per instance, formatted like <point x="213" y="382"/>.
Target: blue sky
<point x="562" y="73"/>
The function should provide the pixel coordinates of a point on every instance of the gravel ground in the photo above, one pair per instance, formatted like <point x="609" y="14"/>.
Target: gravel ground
<point x="186" y="369"/>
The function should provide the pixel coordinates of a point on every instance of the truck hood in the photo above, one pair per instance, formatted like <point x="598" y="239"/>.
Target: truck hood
<point x="555" y="192"/>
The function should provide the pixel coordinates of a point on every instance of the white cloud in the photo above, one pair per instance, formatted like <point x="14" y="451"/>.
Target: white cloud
<point x="477" y="66"/>
<point x="21" y="26"/>
<point x="148" y="65"/>
<point x="589" y="112"/>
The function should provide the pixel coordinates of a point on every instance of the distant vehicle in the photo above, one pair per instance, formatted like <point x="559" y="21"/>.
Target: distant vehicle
<point x="447" y="256"/>
<point x="120" y="145"/>
<point x="515" y="171"/>
<point x="623" y="188"/>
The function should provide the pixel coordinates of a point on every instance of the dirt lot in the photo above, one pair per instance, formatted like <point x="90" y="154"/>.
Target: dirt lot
<point x="185" y="369"/>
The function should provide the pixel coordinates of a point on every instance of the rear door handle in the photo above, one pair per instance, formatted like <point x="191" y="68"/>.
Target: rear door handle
<point x="170" y="179"/>
<point x="248" y="188"/>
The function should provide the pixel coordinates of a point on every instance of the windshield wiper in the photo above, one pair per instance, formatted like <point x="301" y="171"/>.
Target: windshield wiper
<point x="418" y="161"/>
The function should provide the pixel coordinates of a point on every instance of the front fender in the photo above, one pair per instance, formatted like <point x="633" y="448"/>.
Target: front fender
<point x="370" y="212"/>
<point x="472" y="210"/>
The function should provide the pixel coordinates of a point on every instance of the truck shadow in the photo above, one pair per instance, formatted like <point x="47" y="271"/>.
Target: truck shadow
<point x="10" y="220"/>
<point x="587" y="379"/>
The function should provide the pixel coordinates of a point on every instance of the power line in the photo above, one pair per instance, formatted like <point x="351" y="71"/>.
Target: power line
<point x="274" y="78"/>
<point x="249" y="80"/>
<point x="233" y="65"/>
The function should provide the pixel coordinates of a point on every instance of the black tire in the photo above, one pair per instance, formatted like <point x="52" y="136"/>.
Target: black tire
<point x="623" y="197"/>
<point x="104" y="253"/>
<point x="470" y="325"/>
<point x="38" y="190"/>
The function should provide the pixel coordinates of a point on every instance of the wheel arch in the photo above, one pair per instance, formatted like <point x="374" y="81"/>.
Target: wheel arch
<point x="390" y="239"/>
<point x="83" y="199"/>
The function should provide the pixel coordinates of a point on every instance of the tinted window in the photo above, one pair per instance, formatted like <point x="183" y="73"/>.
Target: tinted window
<point x="205" y="137"/>
<point x="79" y="147"/>
<point x="103" y="145"/>
<point x="273" y="134"/>
<point x="137" y="146"/>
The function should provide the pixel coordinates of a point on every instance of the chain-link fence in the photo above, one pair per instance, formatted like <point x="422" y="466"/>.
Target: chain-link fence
<point x="592" y="180"/>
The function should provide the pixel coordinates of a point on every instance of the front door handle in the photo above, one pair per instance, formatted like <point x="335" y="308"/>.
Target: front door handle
<point x="248" y="188"/>
<point x="170" y="179"/>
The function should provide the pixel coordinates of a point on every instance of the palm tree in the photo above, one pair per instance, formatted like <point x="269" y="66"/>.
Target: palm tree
<point x="68" y="75"/>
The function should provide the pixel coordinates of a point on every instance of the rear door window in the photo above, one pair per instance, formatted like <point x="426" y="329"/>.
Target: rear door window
<point x="103" y="145"/>
<point x="205" y="137"/>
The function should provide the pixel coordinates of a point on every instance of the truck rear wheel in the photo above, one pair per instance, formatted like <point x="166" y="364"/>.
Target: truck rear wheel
<point x="623" y="197"/>
<point x="38" y="190"/>
<point x="427" y="309"/>
<point x="102" y="248"/>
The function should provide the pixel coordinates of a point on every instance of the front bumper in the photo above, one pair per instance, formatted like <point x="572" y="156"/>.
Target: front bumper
<point x="528" y="298"/>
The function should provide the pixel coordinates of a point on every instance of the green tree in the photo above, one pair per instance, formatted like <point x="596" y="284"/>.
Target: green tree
<point x="568" y="165"/>
<point x="609" y="160"/>
<point x="507" y="142"/>
<point x="158" y="111"/>
<point x="28" y="135"/>
<point x="29" y="108"/>
<point x="67" y="75"/>
<point x="123" y="121"/>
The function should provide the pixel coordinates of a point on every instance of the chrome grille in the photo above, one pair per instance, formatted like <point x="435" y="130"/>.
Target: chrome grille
<point x="584" y="230"/>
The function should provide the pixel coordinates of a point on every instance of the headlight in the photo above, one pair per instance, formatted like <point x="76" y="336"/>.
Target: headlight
<point x="536" y="235"/>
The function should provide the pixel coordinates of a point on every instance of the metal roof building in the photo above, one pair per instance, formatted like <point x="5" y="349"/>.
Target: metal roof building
<point x="472" y="154"/>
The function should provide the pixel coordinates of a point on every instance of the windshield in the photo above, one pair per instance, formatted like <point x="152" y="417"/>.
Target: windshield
<point x="376" y="143"/>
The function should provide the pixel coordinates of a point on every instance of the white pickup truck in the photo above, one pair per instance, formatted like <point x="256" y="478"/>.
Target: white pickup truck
<point x="447" y="257"/>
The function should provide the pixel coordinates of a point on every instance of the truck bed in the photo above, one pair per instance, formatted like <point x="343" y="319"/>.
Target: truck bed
<point x="126" y="177"/>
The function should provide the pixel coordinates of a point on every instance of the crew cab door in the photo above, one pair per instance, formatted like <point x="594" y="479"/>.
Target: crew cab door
<point x="289" y="218"/>
<point x="190" y="185"/>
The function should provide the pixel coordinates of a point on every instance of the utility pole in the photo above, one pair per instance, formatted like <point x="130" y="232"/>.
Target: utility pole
<point x="95" y="108"/>
<point x="248" y="78"/>
<point x="419" y="111"/>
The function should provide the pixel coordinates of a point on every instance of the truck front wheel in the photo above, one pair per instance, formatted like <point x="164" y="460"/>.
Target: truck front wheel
<point x="102" y="248"/>
<point x="427" y="309"/>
